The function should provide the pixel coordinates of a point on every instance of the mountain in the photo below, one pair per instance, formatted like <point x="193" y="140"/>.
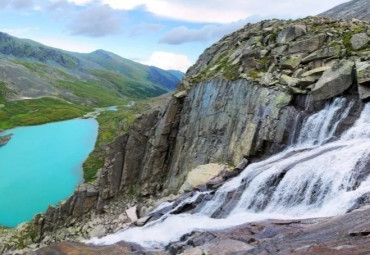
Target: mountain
<point x="31" y="70"/>
<point x="357" y="9"/>
<point x="61" y="85"/>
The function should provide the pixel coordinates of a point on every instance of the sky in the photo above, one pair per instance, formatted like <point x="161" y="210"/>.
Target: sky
<point x="169" y="34"/>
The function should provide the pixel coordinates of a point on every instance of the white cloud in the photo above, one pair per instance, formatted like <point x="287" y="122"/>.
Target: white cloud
<point x="168" y="61"/>
<point x="67" y="44"/>
<point x="81" y="2"/>
<point x="221" y="11"/>
<point x="96" y="21"/>
<point x="19" y="32"/>
<point x="207" y="33"/>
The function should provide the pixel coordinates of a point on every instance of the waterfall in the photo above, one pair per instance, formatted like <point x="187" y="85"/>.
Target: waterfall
<point x="318" y="176"/>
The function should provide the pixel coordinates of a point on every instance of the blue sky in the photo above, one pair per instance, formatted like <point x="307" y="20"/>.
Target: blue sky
<point x="170" y="34"/>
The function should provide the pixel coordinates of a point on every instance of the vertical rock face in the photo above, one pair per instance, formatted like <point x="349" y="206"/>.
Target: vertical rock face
<point x="219" y="121"/>
<point x="223" y="121"/>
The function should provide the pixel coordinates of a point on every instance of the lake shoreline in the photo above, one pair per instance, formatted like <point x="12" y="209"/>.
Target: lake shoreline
<point x="43" y="165"/>
<point x="5" y="139"/>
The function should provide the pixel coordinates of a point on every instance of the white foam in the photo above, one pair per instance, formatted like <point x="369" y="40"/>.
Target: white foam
<point x="311" y="179"/>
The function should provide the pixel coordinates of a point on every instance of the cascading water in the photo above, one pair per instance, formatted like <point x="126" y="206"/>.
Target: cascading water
<point x="313" y="178"/>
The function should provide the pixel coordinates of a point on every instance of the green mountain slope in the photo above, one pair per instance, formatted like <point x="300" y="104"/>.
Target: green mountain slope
<point x="72" y="82"/>
<point x="33" y="70"/>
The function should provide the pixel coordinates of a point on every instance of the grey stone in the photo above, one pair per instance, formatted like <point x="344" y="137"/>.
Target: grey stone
<point x="279" y="50"/>
<point x="5" y="139"/>
<point x="315" y="71"/>
<point x="243" y="164"/>
<point x="364" y="91"/>
<point x="291" y="62"/>
<point x="363" y="72"/>
<point x="328" y="52"/>
<point x="335" y="80"/>
<point x="132" y="213"/>
<point x="291" y="33"/>
<point x="287" y="80"/>
<point x="359" y="41"/>
<point x="307" y="45"/>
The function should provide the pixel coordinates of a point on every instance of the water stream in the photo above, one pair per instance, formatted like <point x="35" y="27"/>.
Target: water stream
<point x="317" y="176"/>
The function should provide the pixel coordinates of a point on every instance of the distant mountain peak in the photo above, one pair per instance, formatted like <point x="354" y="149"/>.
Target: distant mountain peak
<point x="358" y="9"/>
<point x="35" y="70"/>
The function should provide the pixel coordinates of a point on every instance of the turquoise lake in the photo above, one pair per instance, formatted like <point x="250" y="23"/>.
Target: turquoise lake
<point x="41" y="166"/>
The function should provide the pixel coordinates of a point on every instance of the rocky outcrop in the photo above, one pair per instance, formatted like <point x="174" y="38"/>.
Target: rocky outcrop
<point x="5" y="139"/>
<point x="201" y="175"/>
<point x="335" y="80"/>
<point x="363" y="79"/>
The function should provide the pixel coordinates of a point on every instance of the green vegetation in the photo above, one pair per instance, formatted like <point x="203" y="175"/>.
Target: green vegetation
<point x="254" y="74"/>
<point x="37" y="111"/>
<point x="221" y="66"/>
<point x="42" y="70"/>
<point x="111" y="125"/>
<point x="129" y="87"/>
<point x="91" y="93"/>
<point x="347" y="38"/>
<point x="347" y="42"/>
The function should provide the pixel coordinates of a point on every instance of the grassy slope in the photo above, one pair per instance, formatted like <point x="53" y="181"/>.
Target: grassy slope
<point x="35" y="111"/>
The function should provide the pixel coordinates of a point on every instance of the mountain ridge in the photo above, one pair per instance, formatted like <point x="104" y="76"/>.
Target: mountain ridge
<point x="18" y="53"/>
<point x="358" y="9"/>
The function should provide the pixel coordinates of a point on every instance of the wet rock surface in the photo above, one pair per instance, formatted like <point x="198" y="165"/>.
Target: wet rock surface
<point x="347" y="234"/>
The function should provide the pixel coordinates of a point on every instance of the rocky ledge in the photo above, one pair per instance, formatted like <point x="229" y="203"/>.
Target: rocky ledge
<point x="317" y="56"/>
<point x="5" y="139"/>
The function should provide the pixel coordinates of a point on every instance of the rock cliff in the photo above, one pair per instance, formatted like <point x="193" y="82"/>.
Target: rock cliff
<point x="244" y="98"/>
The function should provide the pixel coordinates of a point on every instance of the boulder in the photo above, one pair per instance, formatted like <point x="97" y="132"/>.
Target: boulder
<point x="335" y="81"/>
<point x="306" y="81"/>
<point x="279" y="50"/>
<point x="363" y="79"/>
<point x="266" y="79"/>
<point x="364" y="91"/>
<point x="287" y="80"/>
<point x="5" y="139"/>
<point x="201" y="175"/>
<point x="359" y="41"/>
<point x="291" y="33"/>
<point x="243" y="164"/>
<point x="328" y="52"/>
<point x="308" y="45"/>
<point x="316" y="71"/>
<point x="363" y="72"/>
<point x="98" y="231"/>
<point x="291" y="62"/>
<point x="132" y="213"/>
